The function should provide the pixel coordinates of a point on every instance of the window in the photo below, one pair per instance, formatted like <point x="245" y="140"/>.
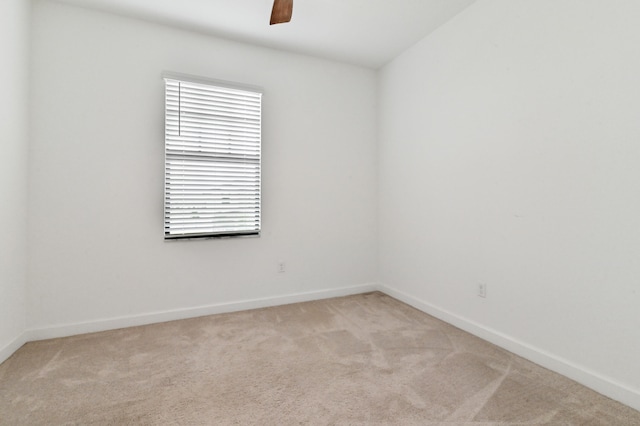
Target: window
<point x="212" y="160"/>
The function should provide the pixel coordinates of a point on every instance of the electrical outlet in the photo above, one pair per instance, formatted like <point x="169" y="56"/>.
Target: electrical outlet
<point x="281" y="267"/>
<point x="482" y="290"/>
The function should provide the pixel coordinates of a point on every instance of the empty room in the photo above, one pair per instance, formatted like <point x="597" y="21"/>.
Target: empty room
<point x="412" y="212"/>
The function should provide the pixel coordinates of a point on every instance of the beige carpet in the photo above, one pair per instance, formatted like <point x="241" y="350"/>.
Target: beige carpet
<point x="365" y="359"/>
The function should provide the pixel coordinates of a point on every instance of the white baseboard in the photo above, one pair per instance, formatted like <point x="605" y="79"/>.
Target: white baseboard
<point x="64" y="330"/>
<point x="601" y="384"/>
<point x="12" y="346"/>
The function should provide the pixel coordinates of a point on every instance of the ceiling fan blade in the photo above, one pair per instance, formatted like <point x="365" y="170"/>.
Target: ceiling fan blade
<point x="281" y="12"/>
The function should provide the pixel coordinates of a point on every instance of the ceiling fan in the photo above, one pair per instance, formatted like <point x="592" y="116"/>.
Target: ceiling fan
<point x="281" y="12"/>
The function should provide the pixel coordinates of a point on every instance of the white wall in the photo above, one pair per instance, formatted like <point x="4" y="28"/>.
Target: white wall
<point x="510" y="155"/>
<point x="96" y="234"/>
<point x="14" y="44"/>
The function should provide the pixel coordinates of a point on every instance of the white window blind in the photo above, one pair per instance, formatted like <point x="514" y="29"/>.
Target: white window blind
<point x="212" y="160"/>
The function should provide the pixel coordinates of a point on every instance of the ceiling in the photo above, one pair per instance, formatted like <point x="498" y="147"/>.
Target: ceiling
<point x="363" y="32"/>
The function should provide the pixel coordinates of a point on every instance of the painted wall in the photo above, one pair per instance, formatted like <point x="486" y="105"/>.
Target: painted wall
<point x="96" y="235"/>
<point x="510" y="156"/>
<point x="14" y="44"/>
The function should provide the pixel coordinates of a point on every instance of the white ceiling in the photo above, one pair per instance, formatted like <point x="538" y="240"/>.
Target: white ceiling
<point x="363" y="32"/>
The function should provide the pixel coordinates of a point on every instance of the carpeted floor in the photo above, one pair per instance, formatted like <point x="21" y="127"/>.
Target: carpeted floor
<point x="365" y="359"/>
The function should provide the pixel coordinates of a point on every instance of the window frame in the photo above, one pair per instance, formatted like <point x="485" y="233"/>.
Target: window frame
<point x="220" y="84"/>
